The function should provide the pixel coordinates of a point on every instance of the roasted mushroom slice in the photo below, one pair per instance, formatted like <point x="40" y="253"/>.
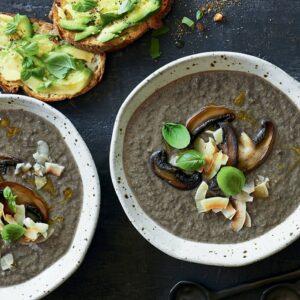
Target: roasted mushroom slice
<point x="208" y="116"/>
<point x="229" y="146"/>
<point x="7" y="161"/>
<point x="35" y="206"/>
<point x="252" y="153"/>
<point x="171" y="174"/>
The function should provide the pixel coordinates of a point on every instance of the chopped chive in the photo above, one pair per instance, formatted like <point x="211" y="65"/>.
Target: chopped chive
<point x="154" y="48"/>
<point x="199" y="15"/>
<point x="188" y="22"/>
<point x="161" y="31"/>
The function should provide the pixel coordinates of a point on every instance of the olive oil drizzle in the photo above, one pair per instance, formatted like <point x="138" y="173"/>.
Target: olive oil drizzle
<point x="240" y="99"/>
<point x="10" y="131"/>
<point x="244" y="116"/>
<point x="296" y="163"/>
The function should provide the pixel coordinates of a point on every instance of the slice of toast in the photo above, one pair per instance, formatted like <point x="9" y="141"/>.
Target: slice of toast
<point x="14" y="86"/>
<point x="127" y="37"/>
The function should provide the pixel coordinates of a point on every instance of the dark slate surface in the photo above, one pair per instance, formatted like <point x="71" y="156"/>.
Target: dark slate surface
<point x="120" y="264"/>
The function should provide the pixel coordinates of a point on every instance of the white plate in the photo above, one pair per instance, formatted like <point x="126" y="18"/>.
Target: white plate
<point x="57" y="273"/>
<point x="212" y="254"/>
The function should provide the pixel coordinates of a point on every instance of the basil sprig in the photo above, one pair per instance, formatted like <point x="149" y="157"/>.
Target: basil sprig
<point x="59" y="64"/>
<point x="12" y="232"/>
<point x="176" y="135"/>
<point x="190" y="160"/>
<point x="84" y="5"/>
<point x="10" y="198"/>
<point x="12" y="26"/>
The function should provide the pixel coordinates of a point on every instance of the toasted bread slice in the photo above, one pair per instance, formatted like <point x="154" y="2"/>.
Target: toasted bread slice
<point x="127" y="37"/>
<point x="98" y="63"/>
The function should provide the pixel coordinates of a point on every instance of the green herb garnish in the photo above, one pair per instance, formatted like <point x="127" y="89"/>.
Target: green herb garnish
<point x="44" y="86"/>
<point x="161" y="31"/>
<point x="126" y="6"/>
<point x="199" y="15"/>
<point x="176" y="135"/>
<point x="84" y="5"/>
<point x="29" y="49"/>
<point x="188" y="22"/>
<point x="154" y="48"/>
<point x="231" y="180"/>
<point x="12" y="26"/>
<point x="59" y="64"/>
<point x="190" y="160"/>
<point x="10" y="198"/>
<point x="12" y="232"/>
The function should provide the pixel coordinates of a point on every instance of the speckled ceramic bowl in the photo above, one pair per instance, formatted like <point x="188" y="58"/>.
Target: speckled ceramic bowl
<point x="57" y="273"/>
<point x="213" y="254"/>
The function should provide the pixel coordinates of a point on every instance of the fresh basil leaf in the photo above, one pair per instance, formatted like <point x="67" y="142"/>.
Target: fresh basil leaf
<point x="84" y="5"/>
<point x="12" y="26"/>
<point x="107" y="18"/>
<point x="27" y="62"/>
<point x="188" y="22"/>
<point x="25" y="74"/>
<point x="12" y="232"/>
<point x="126" y="6"/>
<point x="190" y="160"/>
<point x="10" y="198"/>
<point x="38" y="72"/>
<point x="176" y="135"/>
<point x="59" y="64"/>
<point x="161" y="31"/>
<point x="30" y="49"/>
<point x="199" y="15"/>
<point x="154" y="48"/>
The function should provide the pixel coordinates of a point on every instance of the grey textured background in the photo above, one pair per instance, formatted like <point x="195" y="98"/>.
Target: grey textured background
<point x="120" y="264"/>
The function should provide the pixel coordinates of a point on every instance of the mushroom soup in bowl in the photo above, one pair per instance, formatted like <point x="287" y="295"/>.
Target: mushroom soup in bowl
<point x="209" y="157"/>
<point x="49" y="198"/>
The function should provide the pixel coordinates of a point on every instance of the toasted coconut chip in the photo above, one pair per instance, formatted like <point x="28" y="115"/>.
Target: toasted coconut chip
<point x="22" y="168"/>
<point x="229" y="211"/>
<point x="40" y="182"/>
<point x="217" y="210"/>
<point x="34" y="230"/>
<point x="261" y="191"/>
<point x="173" y="159"/>
<point x="244" y="197"/>
<point x="248" y="187"/>
<point x="39" y="170"/>
<point x="54" y="169"/>
<point x="239" y="218"/>
<point x="219" y="160"/>
<point x="7" y="262"/>
<point x="212" y="203"/>
<point x="248" y="222"/>
<point x="201" y="191"/>
<point x="217" y="135"/>
<point x="9" y="219"/>
<point x="20" y="214"/>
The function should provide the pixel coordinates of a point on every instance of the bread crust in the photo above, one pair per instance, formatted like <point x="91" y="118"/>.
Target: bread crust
<point x="14" y="86"/>
<point x="128" y="37"/>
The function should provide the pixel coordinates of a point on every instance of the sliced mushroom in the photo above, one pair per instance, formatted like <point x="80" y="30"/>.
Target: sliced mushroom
<point x="229" y="146"/>
<point x="252" y="153"/>
<point x="208" y="116"/>
<point x="33" y="203"/>
<point x="239" y="218"/>
<point x="7" y="161"/>
<point x="171" y="174"/>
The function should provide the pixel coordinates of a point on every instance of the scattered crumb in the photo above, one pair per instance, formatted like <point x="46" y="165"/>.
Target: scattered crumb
<point x="218" y="17"/>
<point x="200" y="27"/>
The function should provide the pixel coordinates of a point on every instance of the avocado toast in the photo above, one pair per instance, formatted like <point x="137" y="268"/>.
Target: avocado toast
<point x="107" y="25"/>
<point x="34" y="58"/>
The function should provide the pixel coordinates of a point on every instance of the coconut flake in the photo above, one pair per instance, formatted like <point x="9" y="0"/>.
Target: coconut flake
<point x="7" y="262"/>
<point x="22" y="168"/>
<point x="54" y="169"/>
<point x="201" y="191"/>
<point x="239" y="218"/>
<point x="261" y="190"/>
<point x="34" y="230"/>
<point x="217" y="135"/>
<point x="42" y="154"/>
<point x="243" y="197"/>
<point x="212" y="203"/>
<point x="229" y="211"/>
<point x="19" y="216"/>
<point x="248" y="187"/>
<point x="248" y="222"/>
<point x="40" y="182"/>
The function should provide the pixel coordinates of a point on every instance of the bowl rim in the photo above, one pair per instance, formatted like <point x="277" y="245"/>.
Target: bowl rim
<point x="59" y="271"/>
<point x="237" y="254"/>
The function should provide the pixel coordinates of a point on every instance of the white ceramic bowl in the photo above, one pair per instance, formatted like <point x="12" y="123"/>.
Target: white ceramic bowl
<point x="57" y="273"/>
<point x="212" y="254"/>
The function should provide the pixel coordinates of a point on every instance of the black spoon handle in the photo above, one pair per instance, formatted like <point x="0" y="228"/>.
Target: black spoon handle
<point x="249" y="286"/>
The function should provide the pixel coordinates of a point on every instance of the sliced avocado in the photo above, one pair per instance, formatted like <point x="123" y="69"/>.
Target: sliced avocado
<point x="76" y="81"/>
<point x="78" y="24"/>
<point x="4" y="39"/>
<point x="76" y="53"/>
<point x="90" y="30"/>
<point x="141" y="11"/>
<point x="25" y="29"/>
<point x="11" y="65"/>
<point x="45" y="45"/>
